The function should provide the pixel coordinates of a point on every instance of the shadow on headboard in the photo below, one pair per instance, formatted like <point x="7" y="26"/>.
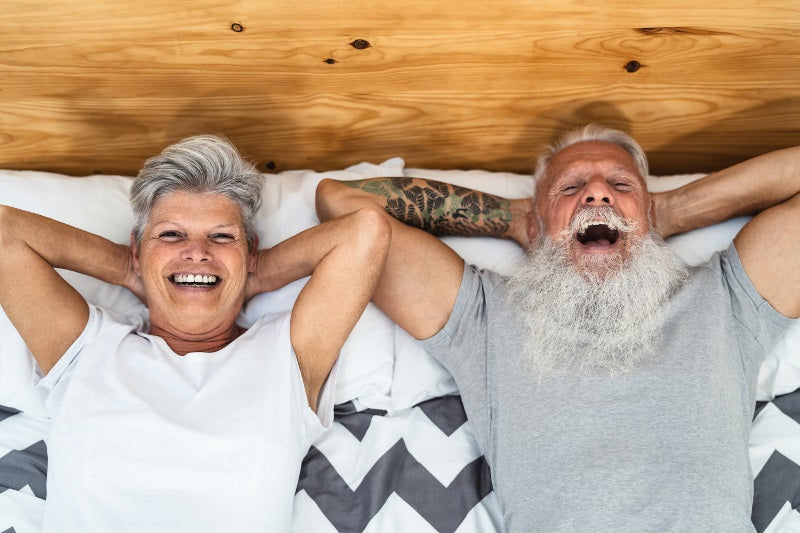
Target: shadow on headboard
<point x="98" y="87"/>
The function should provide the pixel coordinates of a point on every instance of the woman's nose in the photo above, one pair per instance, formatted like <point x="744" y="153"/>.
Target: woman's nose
<point x="196" y="250"/>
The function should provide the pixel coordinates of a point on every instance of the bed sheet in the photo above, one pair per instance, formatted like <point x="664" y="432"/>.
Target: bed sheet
<point x="400" y="456"/>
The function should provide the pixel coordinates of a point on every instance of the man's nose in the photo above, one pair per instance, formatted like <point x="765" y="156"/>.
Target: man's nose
<point x="598" y="192"/>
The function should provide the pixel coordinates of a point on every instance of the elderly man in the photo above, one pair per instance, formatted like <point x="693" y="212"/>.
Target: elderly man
<point x="610" y="387"/>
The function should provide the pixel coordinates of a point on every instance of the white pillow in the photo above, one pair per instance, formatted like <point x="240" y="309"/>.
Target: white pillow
<point x="100" y="204"/>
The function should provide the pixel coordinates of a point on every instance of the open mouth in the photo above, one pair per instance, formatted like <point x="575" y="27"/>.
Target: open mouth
<point x="598" y="233"/>
<point x="194" y="280"/>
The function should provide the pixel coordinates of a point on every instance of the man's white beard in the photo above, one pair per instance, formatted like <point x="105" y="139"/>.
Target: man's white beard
<point x="577" y="321"/>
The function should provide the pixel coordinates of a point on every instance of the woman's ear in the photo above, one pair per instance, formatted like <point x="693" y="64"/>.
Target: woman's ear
<point x="134" y="255"/>
<point x="252" y="261"/>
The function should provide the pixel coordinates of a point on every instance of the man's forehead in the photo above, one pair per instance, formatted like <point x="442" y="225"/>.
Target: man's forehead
<point x="591" y="156"/>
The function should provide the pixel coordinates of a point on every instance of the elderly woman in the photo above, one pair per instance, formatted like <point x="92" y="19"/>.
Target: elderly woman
<point x="190" y="422"/>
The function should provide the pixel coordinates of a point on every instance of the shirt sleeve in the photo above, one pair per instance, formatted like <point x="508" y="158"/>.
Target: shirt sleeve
<point x="57" y="380"/>
<point x="326" y="398"/>
<point x="761" y="325"/>
<point x="314" y="423"/>
<point x="462" y="347"/>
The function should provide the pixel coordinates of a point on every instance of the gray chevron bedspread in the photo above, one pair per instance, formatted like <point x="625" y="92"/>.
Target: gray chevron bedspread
<point x="414" y="470"/>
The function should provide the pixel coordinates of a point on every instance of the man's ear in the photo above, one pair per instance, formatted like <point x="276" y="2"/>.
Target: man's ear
<point x="651" y="212"/>
<point x="534" y="228"/>
<point x="252" y="260"/>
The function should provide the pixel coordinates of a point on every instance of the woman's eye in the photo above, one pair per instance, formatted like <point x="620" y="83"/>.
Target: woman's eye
<point x="223" y="237"/>
<point x="169" y="235"/>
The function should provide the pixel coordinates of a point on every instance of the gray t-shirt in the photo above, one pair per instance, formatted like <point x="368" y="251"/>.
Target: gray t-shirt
<point x="663" y="447"/>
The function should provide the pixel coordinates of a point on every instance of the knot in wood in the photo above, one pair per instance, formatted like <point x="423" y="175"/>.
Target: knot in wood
<point x="633" y="66"/>
<point x="360" y="44"/>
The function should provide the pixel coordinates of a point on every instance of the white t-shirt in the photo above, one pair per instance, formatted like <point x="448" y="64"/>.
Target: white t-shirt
<point x="146" y="440"/>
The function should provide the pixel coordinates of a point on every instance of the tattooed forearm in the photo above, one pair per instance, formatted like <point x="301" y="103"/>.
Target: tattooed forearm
<point x="440" y="208"/>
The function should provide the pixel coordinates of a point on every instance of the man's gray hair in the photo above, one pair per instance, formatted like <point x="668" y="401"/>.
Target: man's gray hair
<point x="200" y="164"/>
<point x="589" y="133"/>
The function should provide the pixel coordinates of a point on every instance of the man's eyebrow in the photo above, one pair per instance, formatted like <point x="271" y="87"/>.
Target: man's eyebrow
<point x="626" y="170"/>
<point x="568" y="173"/>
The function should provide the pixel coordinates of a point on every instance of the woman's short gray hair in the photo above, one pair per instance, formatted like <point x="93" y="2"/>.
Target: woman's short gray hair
<point x="201" y="164"/>
<point x="588" y="133"/>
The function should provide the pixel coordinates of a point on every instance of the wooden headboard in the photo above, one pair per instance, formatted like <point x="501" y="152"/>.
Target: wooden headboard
<point x="97" y="87"/>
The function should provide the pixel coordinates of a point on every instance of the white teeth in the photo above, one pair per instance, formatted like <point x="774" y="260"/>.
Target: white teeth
<point x="586" y="223"/>
<point x="194" y="278"/>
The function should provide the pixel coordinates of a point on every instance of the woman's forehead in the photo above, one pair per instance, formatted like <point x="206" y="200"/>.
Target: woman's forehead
<point x="182" y="206"/>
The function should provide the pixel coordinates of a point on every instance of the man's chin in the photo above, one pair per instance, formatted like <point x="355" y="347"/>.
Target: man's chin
<point x="598" y="264"/>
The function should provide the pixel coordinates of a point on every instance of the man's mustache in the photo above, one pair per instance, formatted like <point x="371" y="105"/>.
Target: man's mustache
<point x="603" y="214"/>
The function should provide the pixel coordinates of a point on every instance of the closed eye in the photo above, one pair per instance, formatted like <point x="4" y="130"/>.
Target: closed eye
<point x="223" y="237"/>
<point x="623" y="183"/>
<point x="170" y="236"/>
<point x="622" y="186"/>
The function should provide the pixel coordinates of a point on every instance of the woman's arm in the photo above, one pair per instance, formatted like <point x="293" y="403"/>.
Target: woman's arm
<point x="46" y="311"/>
<point x="345" y="258"/>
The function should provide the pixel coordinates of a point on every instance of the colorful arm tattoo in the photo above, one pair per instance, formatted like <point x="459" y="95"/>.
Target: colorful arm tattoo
<point x="440" y="208"/>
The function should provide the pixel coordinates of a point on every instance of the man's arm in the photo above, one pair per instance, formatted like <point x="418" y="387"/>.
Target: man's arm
<point x="344" y="257"/>
<point x="747" y="188"/>
<point x="422" y="275"/>
<point x="768" y="245"/>
<point x="46" y="311"/>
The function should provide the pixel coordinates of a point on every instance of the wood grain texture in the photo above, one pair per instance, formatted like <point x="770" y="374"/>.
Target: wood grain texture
<point x="88" y="88"/>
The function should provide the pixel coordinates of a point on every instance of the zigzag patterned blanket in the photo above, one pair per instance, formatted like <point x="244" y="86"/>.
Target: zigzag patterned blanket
<point x="372" y="470"/>
<point x="416" y="470"/>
